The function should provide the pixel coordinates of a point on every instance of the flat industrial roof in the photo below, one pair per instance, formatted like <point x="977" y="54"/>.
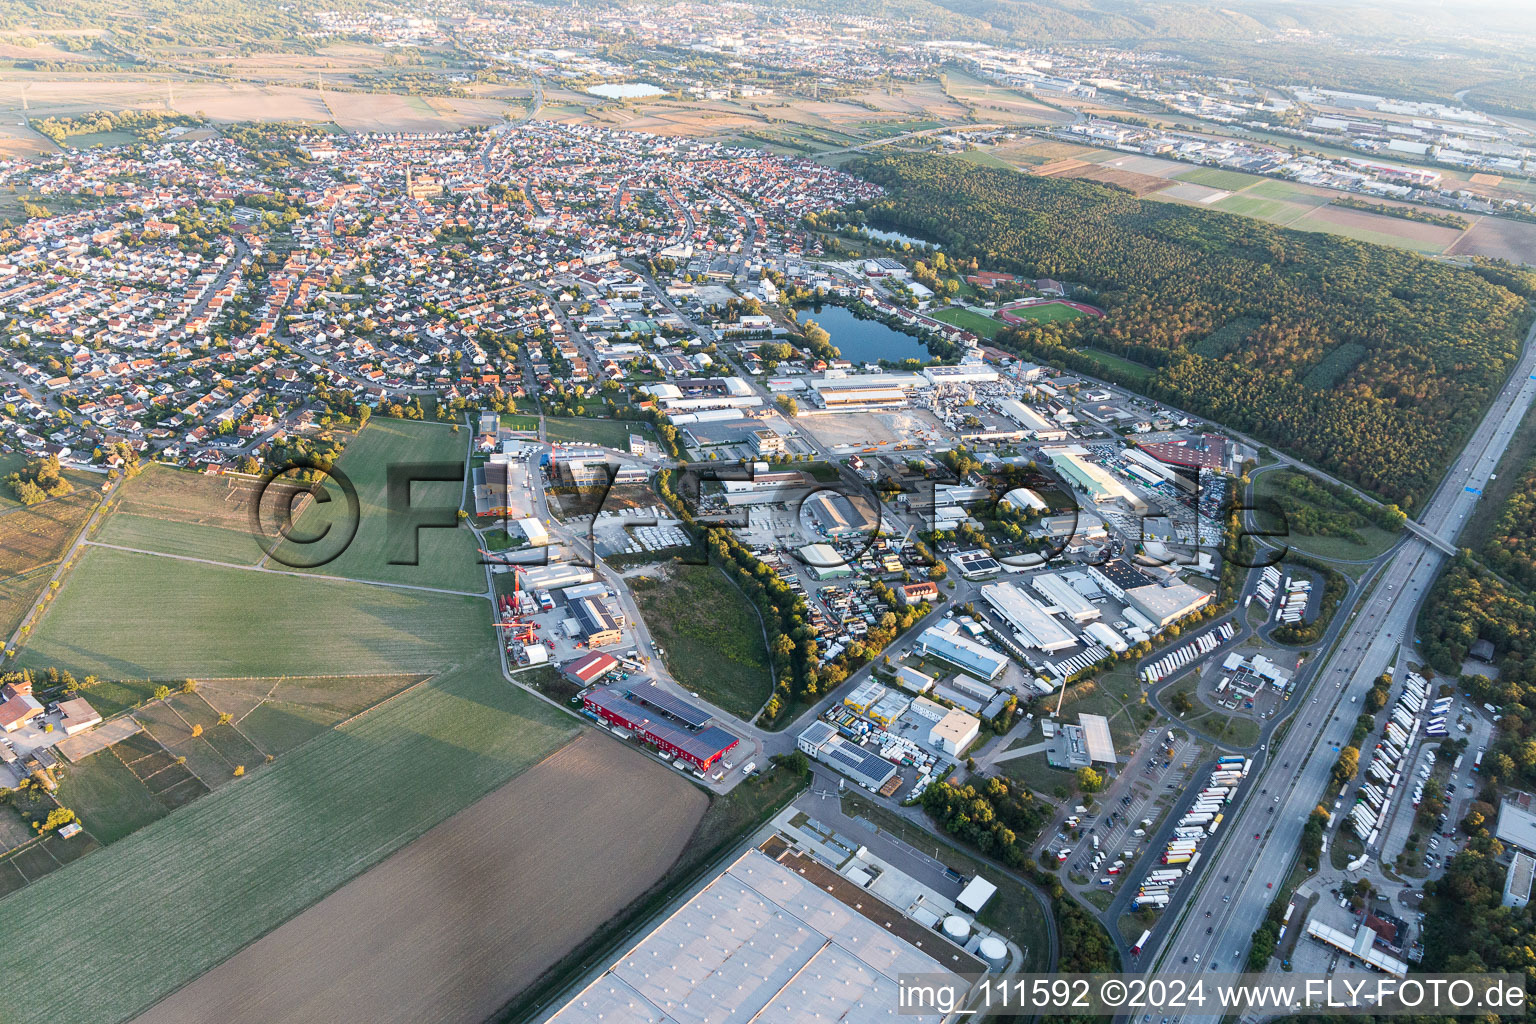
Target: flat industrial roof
<point x="1096" y="738"/>
<point x="1037" y="626"/>
<point x="703" y="744"/>
<point x="758" y="943"/>
<point x="1517" y="826"/>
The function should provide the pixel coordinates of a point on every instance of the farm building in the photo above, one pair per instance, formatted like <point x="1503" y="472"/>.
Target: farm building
<point x="772" y="938"/>
<point x="589" y="668"/>
<point x="676" y="727"/>
<point x="78" y="716"/>
<point x="17" y="706"/>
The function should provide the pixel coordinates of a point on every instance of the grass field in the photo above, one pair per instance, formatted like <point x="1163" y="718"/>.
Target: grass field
<point x="110" y="799"/>
<point x="712" y="635"/>
<point x="1268" y="487"/>
<point x="1134" y="374"/>
<point x="1216" y="177"/>
<point x="610" y="433"/>
<point x="17" y="595"/>
<point x="182" y="893"/>
<point x="183" y="513"/>
<point x="521" y="839"/>
<point x="1046" y="312"/>
<point x="977" y="323"/>
<point x="133" y="616"/>
<point x="445" y="557"/>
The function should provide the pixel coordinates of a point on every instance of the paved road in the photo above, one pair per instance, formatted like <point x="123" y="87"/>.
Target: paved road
<point x="1293" y="776"/>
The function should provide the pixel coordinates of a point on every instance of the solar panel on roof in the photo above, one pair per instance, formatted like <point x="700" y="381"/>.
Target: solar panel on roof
<point x="861" y="762"/>
<point x="662" y="700"/>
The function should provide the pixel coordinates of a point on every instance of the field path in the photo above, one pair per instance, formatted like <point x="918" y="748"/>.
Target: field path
<point x="290" y="572"/>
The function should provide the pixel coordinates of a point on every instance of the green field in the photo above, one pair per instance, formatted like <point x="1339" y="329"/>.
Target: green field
<point x="609" y="433"/>
<point x="181" y="894"/>
<point x="1047" y="312"/>
<point x="133" y="616"/>
<point x="446" y="557"/>
<point x="1216" y="177"/>
<point x="111" y="801"/>
<point x="712" y="635"/>
<point x="977" y="323"/>
<point x="195" y="540"/>
<point x="1134" y="374"/>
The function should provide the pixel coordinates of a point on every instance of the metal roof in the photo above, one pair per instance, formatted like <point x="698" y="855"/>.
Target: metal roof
<point x="702" y="745"/>
<point x="648" y="692"/>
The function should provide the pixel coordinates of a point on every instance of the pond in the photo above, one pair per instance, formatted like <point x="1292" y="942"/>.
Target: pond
<point x="626" y="90"/>
<point x="897" y="238"/>
<point x="865" y="341"/>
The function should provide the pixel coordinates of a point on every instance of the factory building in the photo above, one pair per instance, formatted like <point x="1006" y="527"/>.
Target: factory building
<point x="821" y="742"/>
<point x="954" y="732"/>
<point x="598" y="626"/>
<point x="1031" y="622"/>
<point x="945" y="642"/>
<point x="1064" y="598"/>
<point x="1517" y="885"/>
<point x="1162" y="605"/>
<point x="679" y="729"/>
<point x="1095" y="481"/>
<point x="772" y="938"/>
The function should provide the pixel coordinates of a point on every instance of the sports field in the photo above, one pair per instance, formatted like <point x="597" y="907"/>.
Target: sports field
<point x="184" y="892"/>
<point x="444" y="558"/>
<point x="453" y="954"/>
<point x="1043" y="312"/>
<point x="136" y="616"/>
<point x="977" y="323"/>
<point x="712" y="635"/>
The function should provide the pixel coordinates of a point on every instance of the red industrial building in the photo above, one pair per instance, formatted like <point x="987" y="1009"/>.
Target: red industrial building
<point x="674" y="726"/>
<point x="589" y="668"/>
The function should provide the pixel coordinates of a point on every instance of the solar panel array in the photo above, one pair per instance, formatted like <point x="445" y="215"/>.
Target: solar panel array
<point x="648" y="692"/>
<point x="860" y="762"/>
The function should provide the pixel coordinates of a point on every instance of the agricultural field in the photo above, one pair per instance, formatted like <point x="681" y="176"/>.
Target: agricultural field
<point x="33" y="536"/>
<point x="185" y="892"/>
<point x="183" y="513"/>
<point x="521" y="842"/>
<point x="124" y="615"/>
<point x="977" y="323"/>
<point x="711" y="632"/>
<point x="446" y="558"/>
<point x="1217" y="177"/>
<point x="17" y="595"/>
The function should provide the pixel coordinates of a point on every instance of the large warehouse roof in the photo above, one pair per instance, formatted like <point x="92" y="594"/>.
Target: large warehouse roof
<point x="1096" y="738"/>
<point x="759" y="943"/>
<point x="1036" y="627"/>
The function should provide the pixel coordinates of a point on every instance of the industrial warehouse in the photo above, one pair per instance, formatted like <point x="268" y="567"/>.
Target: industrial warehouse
<point x="675" y="727"/>
<point x="768" y="941"/>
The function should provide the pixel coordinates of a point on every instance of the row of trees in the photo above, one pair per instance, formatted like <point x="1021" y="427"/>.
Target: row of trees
<point x="1434" y="341"/>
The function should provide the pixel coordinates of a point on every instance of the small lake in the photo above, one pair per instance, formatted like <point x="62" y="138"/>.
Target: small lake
<point x="626" y="90"/>
<point x="897" y="238"/>
<point x="865" y="341"/>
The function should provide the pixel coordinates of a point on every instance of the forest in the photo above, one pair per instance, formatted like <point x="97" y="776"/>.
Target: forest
<point x="1511" y="550"/>
<point x="1431" y="343"/>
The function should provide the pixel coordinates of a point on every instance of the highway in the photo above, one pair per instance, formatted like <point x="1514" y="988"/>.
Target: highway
<point x="1291" y="776"/>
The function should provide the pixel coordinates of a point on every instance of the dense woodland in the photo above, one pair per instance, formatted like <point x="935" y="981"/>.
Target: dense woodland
<point x="1511" y="551"/>
<point x="1370" y="362"/>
